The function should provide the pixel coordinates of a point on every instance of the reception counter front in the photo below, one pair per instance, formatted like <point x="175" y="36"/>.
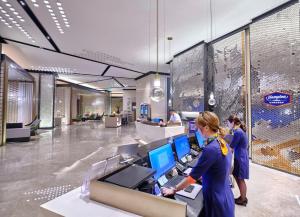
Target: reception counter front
<point x="148" y="132"/>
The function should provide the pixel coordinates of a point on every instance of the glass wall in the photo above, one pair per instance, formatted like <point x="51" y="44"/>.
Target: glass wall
<point x="47" y="91"/>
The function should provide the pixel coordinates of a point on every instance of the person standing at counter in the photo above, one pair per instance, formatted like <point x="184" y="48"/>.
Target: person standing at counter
<point x="239" y="144"/>
<point x="214" y="168"/>
<point x="174" y="118"/>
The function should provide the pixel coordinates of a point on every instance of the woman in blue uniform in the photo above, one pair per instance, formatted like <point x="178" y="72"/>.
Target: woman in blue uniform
<point x="239" y="144"/>
<point x="214" y="168"/>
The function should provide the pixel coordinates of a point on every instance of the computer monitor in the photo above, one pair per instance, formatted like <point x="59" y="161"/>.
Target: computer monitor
<point x="182" y="146"/>
<point x="162" y="160"/>
<point x="200" y="139"/>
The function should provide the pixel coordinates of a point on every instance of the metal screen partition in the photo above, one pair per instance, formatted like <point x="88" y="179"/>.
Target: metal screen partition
<point x="275" y="82"/>
<point x="188" y="80"/>
<point x="60" y="102"/>
<point x="46" y="100"/>
<point x="226" y="58"/>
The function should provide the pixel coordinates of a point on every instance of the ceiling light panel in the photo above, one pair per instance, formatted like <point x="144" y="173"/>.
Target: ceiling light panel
<point x="15" y="24"/>
<point x="56" y="12"/>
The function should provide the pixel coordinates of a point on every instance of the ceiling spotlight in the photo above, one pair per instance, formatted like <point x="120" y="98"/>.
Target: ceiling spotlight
<point x="16" y="13"/>
<point x="56" y="21"/>
<point x="62" y="12"/>
<point x="17" y="24"/>
<point x="22" y="20"/>
<point x="68" y="26"/>
<point x="63" y="15"/>
<point x="4" y="0"/>
<point x="11" y="18"/>
<point x="19" y="17"/>
<point x="33" y="41"/>
<point x="36" y="5"/>
<point x="9" y="26"/>
<point x="12" y="9"/>
<point x="57" y="24"/>
<point x="34" y="1"/>
<point x="62" y="32"/>
<point x="3" y="11"/>
<point x="50" y="10"/>
<point x="8" y="5"/>
<point x="58" y="3"/>
<point x="14" y="22"/>
<point x="48" y="6"/>
<point x="46" y="2"/>
<point x="53" y="15"/>
<point x="65" y="19"/>
<point x="7" y="15"/>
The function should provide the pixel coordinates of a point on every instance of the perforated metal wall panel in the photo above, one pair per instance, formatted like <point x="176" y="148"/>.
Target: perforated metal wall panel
<point x="226" y="63"/>
<point x="275" y="82"/>
<point x="60" y="102"/>
<point x="188" y="80"/>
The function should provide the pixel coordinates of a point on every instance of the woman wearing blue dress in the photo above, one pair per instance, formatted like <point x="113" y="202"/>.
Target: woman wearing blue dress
<point x="214" y="168"/>
<point x="239" y="144"/>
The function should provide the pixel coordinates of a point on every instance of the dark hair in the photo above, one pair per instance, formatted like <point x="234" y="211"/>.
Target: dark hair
<point x="171" y="110"/>
<point x="237" y="121"/>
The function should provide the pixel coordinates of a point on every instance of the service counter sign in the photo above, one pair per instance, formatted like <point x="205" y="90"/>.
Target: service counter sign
<point x="277" y="99"/>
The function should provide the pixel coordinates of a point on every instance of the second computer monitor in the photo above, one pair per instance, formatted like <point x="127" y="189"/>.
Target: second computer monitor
<point x="182" y="146"/>
<point x="200" y="139"/>
<point x="162" y="160"/>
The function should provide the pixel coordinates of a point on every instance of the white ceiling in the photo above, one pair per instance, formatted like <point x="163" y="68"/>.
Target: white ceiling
<point x="121" y="33"/>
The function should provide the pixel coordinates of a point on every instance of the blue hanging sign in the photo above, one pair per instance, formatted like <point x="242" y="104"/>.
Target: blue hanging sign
<point x="277" y="99"/>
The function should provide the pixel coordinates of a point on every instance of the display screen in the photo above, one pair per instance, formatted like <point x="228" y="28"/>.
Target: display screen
<point x="200" y="139"/>
<point x="162" y="160"/>
<point x="182" y="146"/>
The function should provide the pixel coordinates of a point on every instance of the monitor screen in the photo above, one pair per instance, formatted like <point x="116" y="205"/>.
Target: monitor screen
<point x="200" y="139"/>
<point x="142" y="110"/>
<point x="182" y="146"/>
<point x="162" y="160"/>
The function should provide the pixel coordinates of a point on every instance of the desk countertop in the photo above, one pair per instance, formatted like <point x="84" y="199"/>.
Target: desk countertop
<point x="72" y="204"/>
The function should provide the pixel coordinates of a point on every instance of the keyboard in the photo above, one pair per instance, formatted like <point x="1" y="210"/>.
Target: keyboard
<point x="174" y="181"/>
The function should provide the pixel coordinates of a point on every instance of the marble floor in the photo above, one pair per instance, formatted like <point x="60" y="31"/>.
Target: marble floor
<point x="55" y="162"/>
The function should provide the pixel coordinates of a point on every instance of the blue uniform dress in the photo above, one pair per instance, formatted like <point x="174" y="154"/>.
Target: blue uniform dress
<point x="214" y="168"/>
<point x="241" y="157"/>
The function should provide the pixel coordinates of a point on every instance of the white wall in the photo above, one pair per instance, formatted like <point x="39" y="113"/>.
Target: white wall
<point x="129" y="96"/>
<point x="143" y="93"/>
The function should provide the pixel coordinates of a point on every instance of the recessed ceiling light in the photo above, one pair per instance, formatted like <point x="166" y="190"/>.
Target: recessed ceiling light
<point x="17" y="24"/>
<point x="8" y="5"/>
<point x="7" y="15"/>
<point x="62" y="32"/>
<point x="33" y="1"/>
<point x="3" y="11"/>
<point x="60" y="8"/>
<point x="16" y="13"/>
<point x="58" y="3"/>
<point x="11" y="18"/>
<point x="19" y="17"/>
<point x="65" y="19"/>
<point x="50" y="10"/>
<point x="4" y="0"/>
<point x="48" y="6"/>
<point x="33" y="41"/>
<point x="14" y="22"/>
<point x="52" y="14"/>
<point x="36" y="5"/>
<point x="12" y="9"/>
<point x="63" y="15"/>
<point x="46" y="2"/>
<point x="2" y="20"/>
<point x="56" y="21"/>
<point x="57" y="24"/>
<point x="22" y="20"/>
<point x="9" y="26"/>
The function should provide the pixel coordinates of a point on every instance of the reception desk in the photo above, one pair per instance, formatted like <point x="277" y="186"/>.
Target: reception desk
<point x="114" y="121"/>
<point x="149" y="133"/>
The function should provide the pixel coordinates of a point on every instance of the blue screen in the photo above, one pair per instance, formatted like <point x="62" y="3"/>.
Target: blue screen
<point x="142" y="110"/>
<point x="182" y="146"/>
<point x="200" y="139"/>
<point x="162" y="160"/>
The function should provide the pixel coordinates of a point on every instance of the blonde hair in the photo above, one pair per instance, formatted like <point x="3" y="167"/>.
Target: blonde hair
<point x="209" y="119"/>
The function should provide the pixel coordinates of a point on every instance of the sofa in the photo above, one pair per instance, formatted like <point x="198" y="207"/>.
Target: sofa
<point x="16" y="133"/>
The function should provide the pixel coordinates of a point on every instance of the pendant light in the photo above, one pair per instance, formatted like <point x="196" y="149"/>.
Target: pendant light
<point x="157" y="92"/>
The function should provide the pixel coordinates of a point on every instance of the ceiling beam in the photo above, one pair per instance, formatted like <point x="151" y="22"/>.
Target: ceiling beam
<point x="122" y="85"/>
<point x="88" y="82"/>
<point x="30" y="13"/>
<point x="105" y="70"/>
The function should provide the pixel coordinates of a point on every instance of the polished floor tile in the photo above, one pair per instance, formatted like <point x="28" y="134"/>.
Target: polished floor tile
<point x="55" y="162"/>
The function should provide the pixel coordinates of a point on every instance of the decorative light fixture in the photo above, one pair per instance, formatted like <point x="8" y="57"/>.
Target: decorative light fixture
<point x="157" y="92"/>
